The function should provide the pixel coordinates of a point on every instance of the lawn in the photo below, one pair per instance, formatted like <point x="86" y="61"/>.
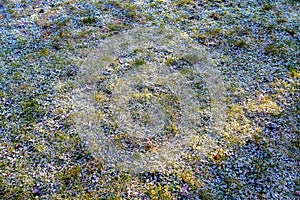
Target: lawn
<point x="149" y="99"/>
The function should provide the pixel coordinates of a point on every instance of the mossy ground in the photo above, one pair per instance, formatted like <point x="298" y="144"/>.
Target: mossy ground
<point x="254" y="44"/>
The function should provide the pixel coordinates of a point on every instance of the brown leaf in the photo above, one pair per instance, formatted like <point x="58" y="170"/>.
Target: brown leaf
<point x="216" y="156"/>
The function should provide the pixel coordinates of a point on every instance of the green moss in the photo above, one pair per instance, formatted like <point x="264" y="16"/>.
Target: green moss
<point x="294" y="71"/>
<point x="186" y="71"/>
<point x="281" y="20"/>
<point x="241" y="43"/>
<point x="170" y="106"/>
<point x="171" y="61"/>
<point x="139" y="62"/>
<point x="297" y="182"/>
<point x="132" y="14"/>
<point x="115" y="186"/>
<point x="89" y="20"/>
<point x="216" y="16"/>
<point x="114" y="27"/>
<point x="297" y="143"/>
<point x="17" y="75"/>
<point x="65" y="34"/>
<point x="184" y="3"/>
<point x="137" y="155"/>
<point x="30" y="109"/>
<point x="291" y="31"/>
<point x="202" y="37"/>
<point x="138" y="51"/>
<point x="44" y="52"/>
<point x="141" y="96"/>
<point x="86" y="196"/>
<point x="131" y="10"/>
<point x="74" y="171"/>
<point x="61" y="24"/>
<point x="267" y="7"/>
<point x="214" y="32"/>
<point x="82" y="33"/>
<point x="276" y="49"/>
<point x="70" y="173"/>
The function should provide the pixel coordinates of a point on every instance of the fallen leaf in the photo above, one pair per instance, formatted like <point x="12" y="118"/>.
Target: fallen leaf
<point x="216" y="156"/>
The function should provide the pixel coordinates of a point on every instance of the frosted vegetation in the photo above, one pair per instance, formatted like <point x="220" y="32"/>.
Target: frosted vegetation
<point x="202" y="104"/>
<point x="146" y="98"/>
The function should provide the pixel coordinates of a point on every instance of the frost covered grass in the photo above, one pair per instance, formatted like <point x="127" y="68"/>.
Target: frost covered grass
<point x="144" y="111"/>
<point x="244" y="145"/>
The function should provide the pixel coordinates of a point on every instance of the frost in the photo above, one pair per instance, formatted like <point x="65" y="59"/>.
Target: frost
<point x="147" y="97"/>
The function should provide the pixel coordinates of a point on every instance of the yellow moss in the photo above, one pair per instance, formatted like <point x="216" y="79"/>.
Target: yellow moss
<point x="141" y="95"/>
<point x="169" y="61"/>
<point x="99" y="97"/>
<point x="234" y="110"/>
<point x="120" y="137"/>
<point x="173" y="129"/>
<point x="39" y="147"/>
<point x="158" y="192"/>
<point x="188" y="177"/>
<point x="295" y="73"/>
<point x="264" y="105"/>
<point x="238" y="126"/>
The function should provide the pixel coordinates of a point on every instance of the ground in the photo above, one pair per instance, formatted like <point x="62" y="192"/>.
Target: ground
<point x="253" y="48"/>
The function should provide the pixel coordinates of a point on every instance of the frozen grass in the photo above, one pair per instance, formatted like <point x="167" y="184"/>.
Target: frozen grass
<point x="246" y="144"/>
<point x="143" y="111"/>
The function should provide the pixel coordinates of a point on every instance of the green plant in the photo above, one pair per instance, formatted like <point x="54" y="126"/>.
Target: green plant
<point x="241" y="43"/>
<point x="89" y="20"/>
